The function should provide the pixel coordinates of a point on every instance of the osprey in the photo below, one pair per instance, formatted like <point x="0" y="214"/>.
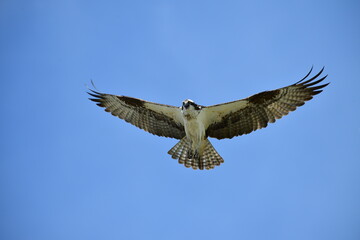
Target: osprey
<point x="193" y="124"/>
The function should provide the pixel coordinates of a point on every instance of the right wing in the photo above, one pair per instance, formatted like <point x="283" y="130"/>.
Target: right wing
<point x="158" y="119"/>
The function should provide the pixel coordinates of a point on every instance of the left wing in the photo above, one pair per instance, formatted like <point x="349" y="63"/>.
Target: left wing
<point x="159" y="119"/>
<point x="244" y="116"/>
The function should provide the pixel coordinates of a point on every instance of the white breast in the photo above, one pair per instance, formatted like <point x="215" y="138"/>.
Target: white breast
<point x="194" y="127"/>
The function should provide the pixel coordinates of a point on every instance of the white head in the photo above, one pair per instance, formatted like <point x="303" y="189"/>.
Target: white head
<point x="189" y="104"/>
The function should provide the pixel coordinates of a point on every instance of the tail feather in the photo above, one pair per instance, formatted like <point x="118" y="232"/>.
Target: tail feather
<point x="207" y="159"/>
<point x="177" y="152"/>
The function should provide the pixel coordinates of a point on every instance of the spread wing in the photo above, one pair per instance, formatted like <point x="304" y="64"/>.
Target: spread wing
<point x="244" y="116"/>
<point x="158" y="119"/>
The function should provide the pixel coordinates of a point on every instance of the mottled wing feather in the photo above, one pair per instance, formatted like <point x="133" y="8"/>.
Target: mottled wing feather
<point x="158" y="119"/>
<point x="244" y="116"/>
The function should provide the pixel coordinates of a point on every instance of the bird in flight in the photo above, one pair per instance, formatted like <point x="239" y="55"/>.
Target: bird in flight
<point x="193" y="124"/>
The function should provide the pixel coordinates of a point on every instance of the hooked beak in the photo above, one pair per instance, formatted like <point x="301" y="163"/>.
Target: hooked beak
<point x="186" y="105"/>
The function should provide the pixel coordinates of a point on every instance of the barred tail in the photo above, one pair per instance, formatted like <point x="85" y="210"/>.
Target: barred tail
<point x="208" y="158"/>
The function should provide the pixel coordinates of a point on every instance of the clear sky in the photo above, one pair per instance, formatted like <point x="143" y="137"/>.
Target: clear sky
<point x="69" y="170"/>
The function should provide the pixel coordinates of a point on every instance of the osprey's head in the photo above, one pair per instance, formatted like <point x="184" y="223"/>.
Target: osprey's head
<point x="189" y="104"/>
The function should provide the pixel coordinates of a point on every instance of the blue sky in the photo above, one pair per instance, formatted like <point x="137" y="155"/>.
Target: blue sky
<point x="69" y="170"/>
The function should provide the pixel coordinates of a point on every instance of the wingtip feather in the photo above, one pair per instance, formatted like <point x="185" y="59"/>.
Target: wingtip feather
<point x="97" y="95"/>
<point x="312" y="67"/>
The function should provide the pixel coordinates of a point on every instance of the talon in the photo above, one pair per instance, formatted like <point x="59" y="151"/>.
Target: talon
<point x="190" y="154"/>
